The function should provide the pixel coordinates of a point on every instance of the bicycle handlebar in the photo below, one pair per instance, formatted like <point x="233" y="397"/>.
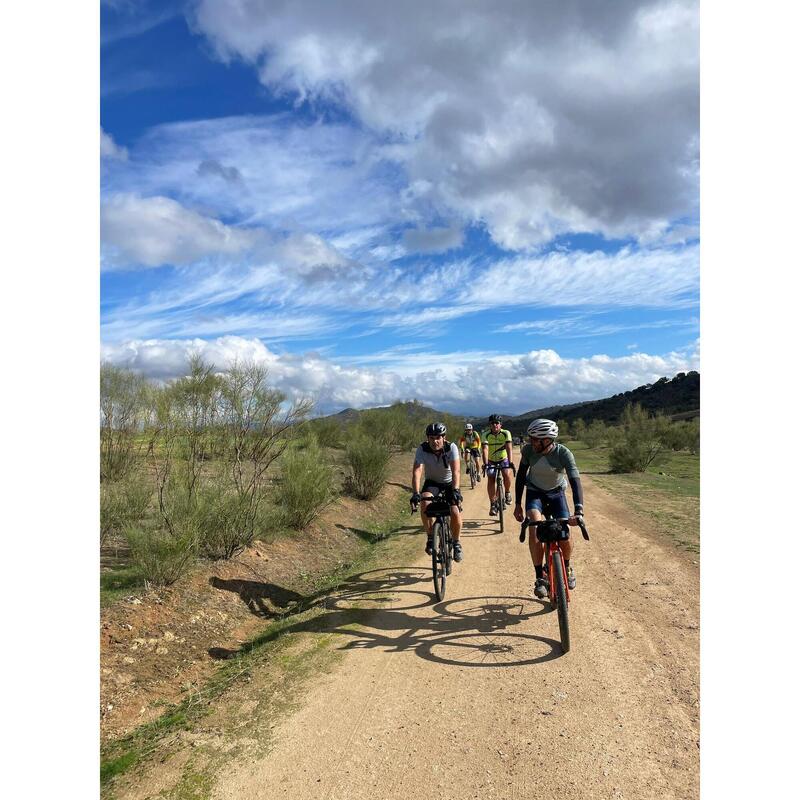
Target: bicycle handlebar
<point x="530" y="523"/>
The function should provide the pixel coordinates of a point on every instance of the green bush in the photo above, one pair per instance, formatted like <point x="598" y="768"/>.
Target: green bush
<point x="329" y="432"/>
<point x="161" y="556"/>
<point x="369" y="465"/>
<point x="123" y="503"/>
<point x="693" y="436"/>
<point x="595" y="434"/>
<point x="306" y="487"/>
<point x="642" y="443"/>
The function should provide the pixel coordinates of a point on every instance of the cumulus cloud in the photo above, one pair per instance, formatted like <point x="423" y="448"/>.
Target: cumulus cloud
<point x="521" y="382"/>
<point x="110" y="149"/>
<point x="533" y="118"/>
<point x="153" y="231"/>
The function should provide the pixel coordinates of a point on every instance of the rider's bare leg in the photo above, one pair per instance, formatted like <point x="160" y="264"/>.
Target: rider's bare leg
<point x="490" y="486"/>
<point x="534" y="545"/>
<point x="507" y="479"/>
<point x="427" y="522"/>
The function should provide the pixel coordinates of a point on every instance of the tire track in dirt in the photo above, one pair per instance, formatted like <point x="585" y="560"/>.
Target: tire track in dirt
<point x="471" y="698"/>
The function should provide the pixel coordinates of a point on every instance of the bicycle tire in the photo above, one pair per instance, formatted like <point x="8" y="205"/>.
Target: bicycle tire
<point x="501" y="504"/>
<point x="448" y="548"/>
<point x="439" y="561"/>
<point x="561" y="600"/>
<point x="471" y="470"/>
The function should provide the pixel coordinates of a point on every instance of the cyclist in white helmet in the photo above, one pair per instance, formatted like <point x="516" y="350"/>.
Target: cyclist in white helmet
<point x="545" y="467"/>
<point x="470" y="444"/>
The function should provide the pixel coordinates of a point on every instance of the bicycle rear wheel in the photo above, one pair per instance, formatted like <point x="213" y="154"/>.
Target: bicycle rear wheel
<point x="439" y="560"/>
<point x="561" y="600"/>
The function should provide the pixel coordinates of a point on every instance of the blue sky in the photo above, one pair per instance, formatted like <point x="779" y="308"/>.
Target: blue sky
<point x="479" y="207"/>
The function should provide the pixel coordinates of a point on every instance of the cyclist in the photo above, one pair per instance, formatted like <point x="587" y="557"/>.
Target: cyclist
<point x="545" y="467"/>
<point x="498" y="453"/>
<point x="439" y="459"/>
<point x="470" y="446"/>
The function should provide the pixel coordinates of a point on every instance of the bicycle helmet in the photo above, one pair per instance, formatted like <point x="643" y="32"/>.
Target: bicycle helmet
<point x="436" y="429"/>
<point x="468" y="426"/>
<point x="543" y="429"/>
<point x="495" y="418"/>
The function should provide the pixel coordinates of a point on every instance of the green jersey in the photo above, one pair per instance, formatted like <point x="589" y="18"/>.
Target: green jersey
<point x="497" y="443"/>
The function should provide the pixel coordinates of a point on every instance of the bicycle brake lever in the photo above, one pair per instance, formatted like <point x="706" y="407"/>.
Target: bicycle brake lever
<point x="522" y="531"/>
<point x="583" y="529"/>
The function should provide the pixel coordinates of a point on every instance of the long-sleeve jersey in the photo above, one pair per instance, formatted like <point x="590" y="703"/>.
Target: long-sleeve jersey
<point x="548" y="471"/>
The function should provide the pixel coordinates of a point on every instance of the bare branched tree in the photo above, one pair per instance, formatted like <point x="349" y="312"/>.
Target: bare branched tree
<point x="121" y="416"/>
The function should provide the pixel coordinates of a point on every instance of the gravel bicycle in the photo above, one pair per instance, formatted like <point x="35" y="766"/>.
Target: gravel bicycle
<point x="499" y="501"/>
<point x="472" y="469"/>
<point x="551" y="532"/>
<point x="442" y="554"/>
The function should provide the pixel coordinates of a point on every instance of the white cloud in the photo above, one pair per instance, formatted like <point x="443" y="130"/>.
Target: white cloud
<point x="534" y="118"/>
<point x="520" y="382"/>
<point x="433" y="240"/>
<point x="110" y="149"/>
<point x="153" y="231"/>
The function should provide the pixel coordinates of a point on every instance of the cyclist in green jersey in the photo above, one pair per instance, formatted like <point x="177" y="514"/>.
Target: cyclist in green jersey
<point x="498" y="454"/>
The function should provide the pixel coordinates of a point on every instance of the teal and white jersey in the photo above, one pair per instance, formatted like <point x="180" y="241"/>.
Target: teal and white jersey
<point x="550" y="471"/>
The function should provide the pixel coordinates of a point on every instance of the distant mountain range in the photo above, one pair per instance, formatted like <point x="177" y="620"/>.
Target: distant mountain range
<point x="678" y="398"/>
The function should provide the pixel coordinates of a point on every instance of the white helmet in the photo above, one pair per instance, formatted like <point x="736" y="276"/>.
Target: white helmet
<point x="468" y="426"/>
<point x="543" y="429"/>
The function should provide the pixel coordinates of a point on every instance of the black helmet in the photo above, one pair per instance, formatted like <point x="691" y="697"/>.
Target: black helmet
<point x="495" y="418"/>
<point x="436" y="429"/>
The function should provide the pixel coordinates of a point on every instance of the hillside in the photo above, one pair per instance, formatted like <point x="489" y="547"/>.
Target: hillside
<point x="678" y="397"/>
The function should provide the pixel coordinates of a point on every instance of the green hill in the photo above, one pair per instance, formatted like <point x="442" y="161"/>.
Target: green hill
<point x="678" y="398"/>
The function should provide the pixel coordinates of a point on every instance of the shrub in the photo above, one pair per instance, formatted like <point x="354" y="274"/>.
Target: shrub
<point x="328" y="431"/>
<point x="161" y="556"/>
<point x="123" y="503"/>
<point x="642" y="443"/>
<point x="595" y="434"/>
<point x="369" y="465"/>
<point x="307" y="485"/>
<point x="121" y="413"/>
<point x="227" y="521"/>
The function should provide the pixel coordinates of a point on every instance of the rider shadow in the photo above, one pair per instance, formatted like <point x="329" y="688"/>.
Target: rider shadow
<point x="475" y="528"/>
<point x="374" y="610"/>
<point x="369" y="536"/>
<point x="263" y="599"/>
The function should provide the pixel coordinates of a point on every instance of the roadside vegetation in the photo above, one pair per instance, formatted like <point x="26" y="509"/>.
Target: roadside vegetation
<point x="651" y="463"/>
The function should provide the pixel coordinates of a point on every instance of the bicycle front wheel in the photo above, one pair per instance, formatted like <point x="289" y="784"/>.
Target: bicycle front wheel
<point x="439" y="560"/>
<point x="501" y="504"/>
<point x="560" y="587"/>
<point x="471" y="469"/>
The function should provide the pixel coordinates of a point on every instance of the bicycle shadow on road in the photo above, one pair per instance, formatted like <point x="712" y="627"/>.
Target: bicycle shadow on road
<point x="374" y="610"/>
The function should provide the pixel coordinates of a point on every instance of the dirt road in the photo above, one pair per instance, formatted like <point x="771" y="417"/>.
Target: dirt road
<point x="471" y="698"/>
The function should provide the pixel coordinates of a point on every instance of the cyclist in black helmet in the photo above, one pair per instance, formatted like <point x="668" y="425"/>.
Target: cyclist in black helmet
<point x="498" y="455"/>
<point x="439" y="459"/>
